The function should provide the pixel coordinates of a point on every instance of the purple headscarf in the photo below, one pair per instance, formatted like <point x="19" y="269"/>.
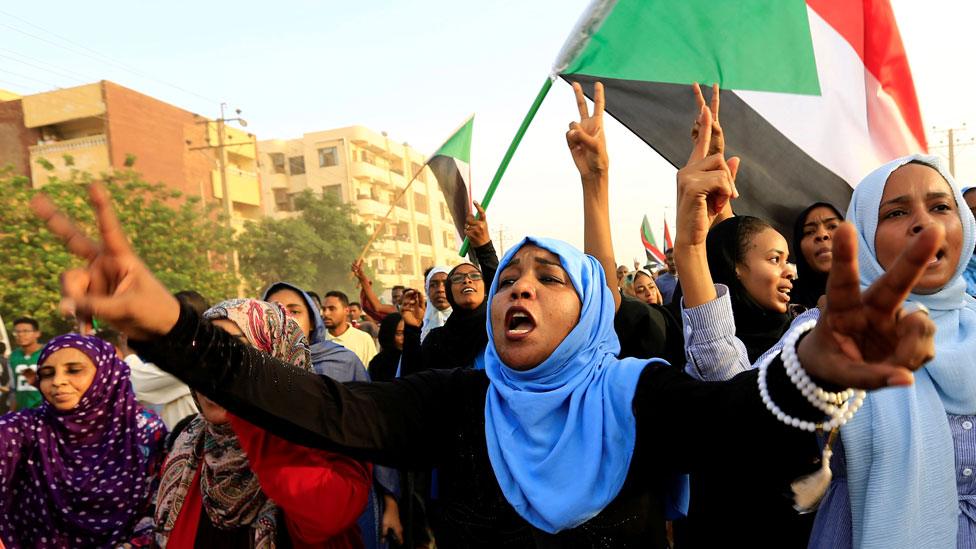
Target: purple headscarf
<point x="81" y="477"/>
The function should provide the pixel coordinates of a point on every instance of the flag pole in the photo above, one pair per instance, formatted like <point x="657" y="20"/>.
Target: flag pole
<point x="389" y="212"/>
<point x="510" y="153"/>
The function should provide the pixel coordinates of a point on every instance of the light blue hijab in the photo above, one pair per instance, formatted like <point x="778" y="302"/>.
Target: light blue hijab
<point x="561" y="435"/>
<point x="900" y="453"/>
<point x="970" y="272"/>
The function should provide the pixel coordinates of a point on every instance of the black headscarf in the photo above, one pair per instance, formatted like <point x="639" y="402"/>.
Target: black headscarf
<point x="811" y="283"/>
<point x="758" y="328"/>
<point x="463" y="337"/>
<point x="384" y="365"/>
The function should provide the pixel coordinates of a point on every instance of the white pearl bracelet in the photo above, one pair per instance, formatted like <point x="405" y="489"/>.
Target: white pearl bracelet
<point x="840" y="406"/>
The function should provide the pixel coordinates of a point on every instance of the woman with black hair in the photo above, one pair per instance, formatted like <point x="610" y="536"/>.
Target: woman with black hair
<point x="813" y="234"/>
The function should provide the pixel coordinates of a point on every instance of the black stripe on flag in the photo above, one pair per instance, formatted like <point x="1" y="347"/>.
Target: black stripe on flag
<point x="776" y="180"/>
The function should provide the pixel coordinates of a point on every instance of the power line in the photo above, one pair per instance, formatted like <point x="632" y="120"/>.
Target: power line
<point x="59" y="72"/>
<point x="46" y="83"/>
<point x="94" y="55"/>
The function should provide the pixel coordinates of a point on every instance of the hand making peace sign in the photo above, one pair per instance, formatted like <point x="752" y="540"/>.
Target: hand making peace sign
<point x="586" y="140"/>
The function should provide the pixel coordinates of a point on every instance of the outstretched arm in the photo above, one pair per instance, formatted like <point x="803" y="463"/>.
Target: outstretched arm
<point x="367" y="294"/>
<point x="588" y="145"/>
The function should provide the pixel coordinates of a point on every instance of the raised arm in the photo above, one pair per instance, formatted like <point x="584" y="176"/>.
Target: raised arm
<point x="476" y="229"/>
<point x="588" y="145"/>
<point x="367" y="294"/>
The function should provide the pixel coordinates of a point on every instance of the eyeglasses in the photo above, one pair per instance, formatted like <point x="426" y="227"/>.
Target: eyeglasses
<point x="459" y="277"/>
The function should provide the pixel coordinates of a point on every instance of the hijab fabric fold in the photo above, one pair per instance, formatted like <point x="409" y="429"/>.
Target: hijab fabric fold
<point x="86" y="478"/>
<point x="758" y="328"/>
<point x="232" y="496"/>
<point x="433" y="317"/>
<point x="970" y="273"/>
<point x="561" y="435"/>
<point x="899" y="447"/>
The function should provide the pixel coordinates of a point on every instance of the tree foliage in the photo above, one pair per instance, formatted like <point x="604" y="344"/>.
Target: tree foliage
<point x="312" y="250"/>
<point x="178" y="237"/>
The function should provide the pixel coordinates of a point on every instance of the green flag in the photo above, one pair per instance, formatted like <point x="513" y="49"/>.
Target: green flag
<point x="451" y="165"/>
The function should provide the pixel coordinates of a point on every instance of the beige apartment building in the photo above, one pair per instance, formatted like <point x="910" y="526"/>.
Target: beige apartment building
<point x="368" y="170"/>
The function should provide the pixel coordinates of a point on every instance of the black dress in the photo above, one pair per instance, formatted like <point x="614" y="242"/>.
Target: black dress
<point x="436" y="418"/>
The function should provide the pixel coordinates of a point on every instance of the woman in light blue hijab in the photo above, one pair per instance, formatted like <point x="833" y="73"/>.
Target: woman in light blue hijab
<point x="969" y="193"/>
<point x="911" y="452"/>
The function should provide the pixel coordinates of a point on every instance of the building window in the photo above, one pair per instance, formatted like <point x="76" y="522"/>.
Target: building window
<point x="402" y="201"/>
<point x="448" y="240"/>
<point x="406" y="265"/>
<point x="426" y="263"/>
<point x="396" y="165"/>
<point x="334" y="190"/>
<point x="443" y="211"/>
<point x="419" y="203"/>
<point x="328" y="157"/>
<point x="423" y="235"/>
<point x="277" y="162"/>
<point x="403" y="231"/>
<point x="415" y="170"/>
<point x="282" y="200"/>
<point x="368" y="157"/>
<point x="296" y="165"/>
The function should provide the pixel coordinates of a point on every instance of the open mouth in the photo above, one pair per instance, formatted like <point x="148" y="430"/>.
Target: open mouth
<point x="468" y="290"/>
<point x="939" y="256"/>
<point x="518" y="323"/>
<point x="783" y="292"/>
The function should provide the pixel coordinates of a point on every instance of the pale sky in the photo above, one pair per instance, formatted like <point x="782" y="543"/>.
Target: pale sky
<point x="417" y="70"/>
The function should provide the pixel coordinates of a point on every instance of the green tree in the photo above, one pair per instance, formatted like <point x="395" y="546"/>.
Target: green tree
<point x="313" y="250"/>
<point x="178" y="238"/>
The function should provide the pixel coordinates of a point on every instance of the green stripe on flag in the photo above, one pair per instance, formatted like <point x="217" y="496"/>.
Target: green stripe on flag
<point x="756" y="45"/>
<point x="459" y="145"/>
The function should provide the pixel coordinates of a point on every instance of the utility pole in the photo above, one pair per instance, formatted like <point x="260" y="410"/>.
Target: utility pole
<point x="222" y="169"/>
<point x="951" y="142"/>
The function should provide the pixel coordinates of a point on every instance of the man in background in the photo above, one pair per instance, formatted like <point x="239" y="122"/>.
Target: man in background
<point x="23" y="362"/>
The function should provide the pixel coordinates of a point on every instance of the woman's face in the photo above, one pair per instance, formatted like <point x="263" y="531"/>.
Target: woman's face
<point x="818" y="234"/>
<point x="764" y="271"/>
<point x="398" y="336"/>
<point x="914" y="198"/>
<point x="467" y="292"/>
<point x="534" y="308"/>
<point x="646" y="290"/>
<point x="213" y="412"/>
<point x="64" y="378"/>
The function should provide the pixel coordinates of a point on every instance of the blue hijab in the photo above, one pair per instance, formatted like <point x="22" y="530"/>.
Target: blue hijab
<point x="561" y="435"/>
<point x="328" y="358"/>
<point x="970" y="273"/>
<point x="899" y="447"/>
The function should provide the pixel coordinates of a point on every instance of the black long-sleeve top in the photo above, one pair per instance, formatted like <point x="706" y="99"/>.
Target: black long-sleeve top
<point x="436" y="418"/>
<point x="461" y="339"/>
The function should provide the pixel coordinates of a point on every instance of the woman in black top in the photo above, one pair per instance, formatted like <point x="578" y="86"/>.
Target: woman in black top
<point x="442" y="417"/>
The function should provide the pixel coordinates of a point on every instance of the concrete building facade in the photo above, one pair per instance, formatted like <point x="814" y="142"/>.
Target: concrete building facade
<point x="367" y="170"/>
<point x="103" y="125"/>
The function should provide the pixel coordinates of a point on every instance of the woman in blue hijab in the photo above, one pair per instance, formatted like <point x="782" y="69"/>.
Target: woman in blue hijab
<point x="903" y="473"/>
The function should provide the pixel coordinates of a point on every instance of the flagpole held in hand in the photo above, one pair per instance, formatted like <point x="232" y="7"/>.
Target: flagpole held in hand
<point x="510" y="153"/>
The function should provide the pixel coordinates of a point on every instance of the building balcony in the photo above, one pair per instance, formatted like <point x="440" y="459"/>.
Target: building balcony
<point x="364" y="171"/>
<point x="59" y="106"/>
<point x="88" y="154"/>
<point x="243" y="185"/>
<point x="275" y="180"/>
<point x="370" y="207"/>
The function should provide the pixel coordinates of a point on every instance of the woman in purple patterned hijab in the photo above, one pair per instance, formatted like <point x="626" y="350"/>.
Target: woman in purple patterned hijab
<point x="81" y="469"/>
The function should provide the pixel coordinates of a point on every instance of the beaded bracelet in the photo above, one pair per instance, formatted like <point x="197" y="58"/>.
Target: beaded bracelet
<point x="840" y="406"/>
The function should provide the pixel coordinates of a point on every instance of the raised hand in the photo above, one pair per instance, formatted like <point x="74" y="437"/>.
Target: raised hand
<point x="586" y="140"/>
<point x="412" y="307"/>
<point x="115" y="286"/>
<point x="717" y="145"/>
<point x="476" y="228"/>
<point x="358" y="272"/>
<point x="869" y="340"/>
<point x="705" y="186"/>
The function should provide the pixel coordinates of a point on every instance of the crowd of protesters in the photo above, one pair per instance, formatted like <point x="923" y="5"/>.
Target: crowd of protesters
<point x="547" y="398"/>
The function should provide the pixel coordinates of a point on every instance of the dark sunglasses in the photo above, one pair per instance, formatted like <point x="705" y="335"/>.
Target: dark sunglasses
<point x="459" y="278"/>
